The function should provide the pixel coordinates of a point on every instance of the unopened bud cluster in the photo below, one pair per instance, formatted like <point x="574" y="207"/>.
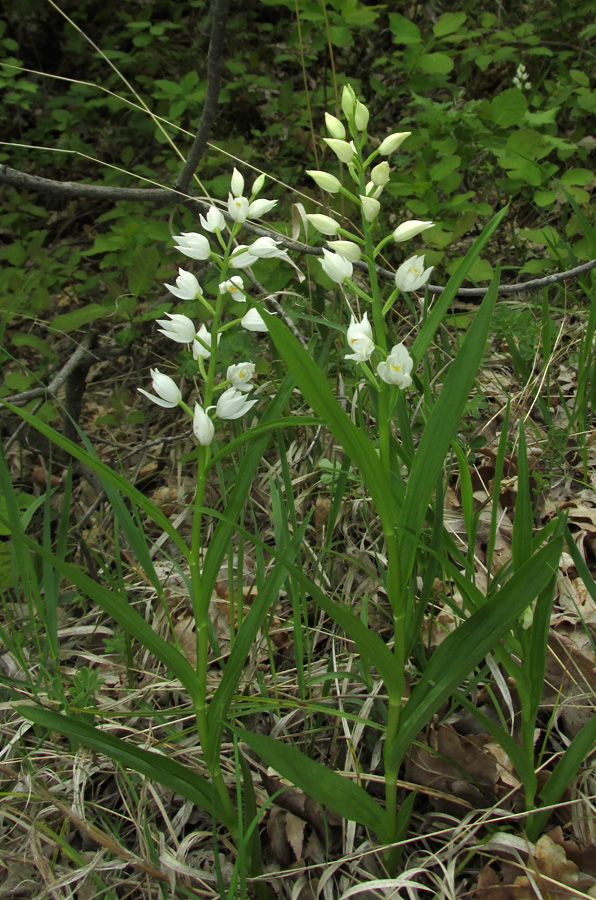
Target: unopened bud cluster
<point x="370" y="176"/>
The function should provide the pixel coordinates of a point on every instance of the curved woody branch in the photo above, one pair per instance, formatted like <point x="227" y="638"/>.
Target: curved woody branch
<point x="163" y="195"/>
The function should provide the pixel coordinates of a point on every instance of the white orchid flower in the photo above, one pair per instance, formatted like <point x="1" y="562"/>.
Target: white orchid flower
<point x="193" y="244"/>
<point x="180" y="328"/>
<point x="412" y="275"/>
<point x="240" y="375"/>
<point x="359" y="338"/>
<point x="232" y="404"/>
<point x="253" y="321"/>
<point x="238" y="208"/>
<point x="202" y="426"/>
<point x="337" y="267"/>
<point x="198" y="346"/>
<point x="186" y="288"/>
<point x="235" y="287"/>
<point x="397" y="367"/>
<point x="168" y="392"/>
<point x="214" y="220"/>
<point x="259" y="208"/>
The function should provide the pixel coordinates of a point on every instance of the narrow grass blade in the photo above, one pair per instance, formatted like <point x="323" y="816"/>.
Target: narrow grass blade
<point x="521" y="539"/>
<point x="107" y="475"/>
<point x="117" y="606"/>
<point x="183" y="781"/>
<point x="335" y="791"/>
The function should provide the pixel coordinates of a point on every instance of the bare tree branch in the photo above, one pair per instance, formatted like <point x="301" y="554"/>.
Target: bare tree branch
<point x="165" y="195"/>
<point x="219" y="12"/>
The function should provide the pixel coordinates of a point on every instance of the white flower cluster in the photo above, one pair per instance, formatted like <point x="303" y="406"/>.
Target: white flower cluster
<point x="233" y="401"/>
<point x="340" y="255"/>
<point x="521" y="79"/>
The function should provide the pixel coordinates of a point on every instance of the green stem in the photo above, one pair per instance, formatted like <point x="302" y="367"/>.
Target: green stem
<point x="200" y="602"/>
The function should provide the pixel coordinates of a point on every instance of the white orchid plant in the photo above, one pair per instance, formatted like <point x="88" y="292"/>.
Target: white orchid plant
<point x="367" y="341"/>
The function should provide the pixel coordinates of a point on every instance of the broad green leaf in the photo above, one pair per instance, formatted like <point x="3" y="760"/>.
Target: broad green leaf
<point x="71" y="321"/>
<point x="404" y="31"/>
<point x="509" y="107"/>
<point x="446" y="165"/>
<point x="161" y="768"/>
<point x="333" y="790"/>
<point x="462" y="650"/>
<point x="141" y="271"/>
<point x="435" y="63"/>
<point x="448" y="23"/>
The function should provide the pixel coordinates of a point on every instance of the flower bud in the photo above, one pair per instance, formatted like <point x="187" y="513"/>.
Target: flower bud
<point x="348" y="249"/>
<point x="392" y="142"/>
<point x="410" y="229"/>
<point x="361" y="115"/>
<point x="324" y="224"/>
<point x="373" y="190"/>
<point x="257" y="185"/>
<point x="334" y="127"/>
<point x="348" y="100"/>
<point x="344" y="151"/>
<point x="370" y="208"/>
<point x="325" y="181"/>
<point x="380" y="174"/>
<point x="237" y="184"/>
<point x="202" y="426"/>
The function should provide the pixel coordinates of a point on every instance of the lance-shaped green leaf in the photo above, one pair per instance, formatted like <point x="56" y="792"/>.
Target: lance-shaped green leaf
<point x="462" y="650"/>
<point x="333" y="790"/>
<point x="313" y="385"/>
<point x="441" y="428"/>
<point x="160" y="768"/>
